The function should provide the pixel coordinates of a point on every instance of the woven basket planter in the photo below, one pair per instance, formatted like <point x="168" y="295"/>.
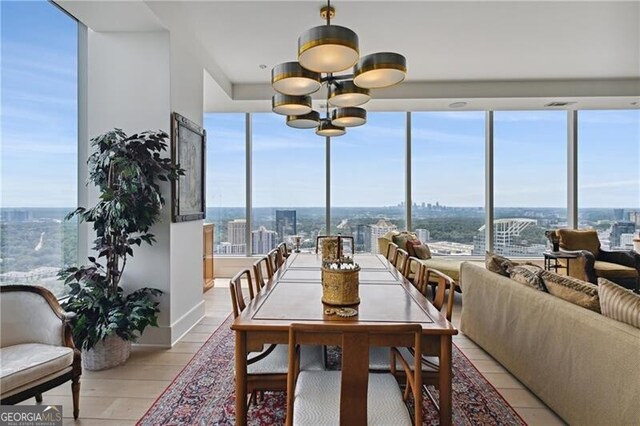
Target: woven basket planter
<point x="340" y="286"/>
<point x="108" y="353"/>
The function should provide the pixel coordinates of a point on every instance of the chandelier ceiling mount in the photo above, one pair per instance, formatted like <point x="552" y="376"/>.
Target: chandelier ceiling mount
<point x="324" y="51"/>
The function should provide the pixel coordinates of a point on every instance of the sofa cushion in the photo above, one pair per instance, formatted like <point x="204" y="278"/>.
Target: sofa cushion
<point x="498" y="264"/>
<point x="402" y="238"/>
<point x="450" y="267"/>
<point x="528" y="275"/>
<point x="383" y="242"/>
<point x="28" y="362"/>
<point x="618" y="303"/>
<point x="579" y="239"/>
<point x="417" y="248"/>
<point x="572" y="290"/>
<point x="614" y="270"/>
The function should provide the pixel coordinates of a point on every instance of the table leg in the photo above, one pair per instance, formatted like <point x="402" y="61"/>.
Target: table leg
<point x="445" y="381"/>
<point x="241" y="378"/>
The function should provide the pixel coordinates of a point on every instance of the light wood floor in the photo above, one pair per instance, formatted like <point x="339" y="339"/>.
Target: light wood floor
<point x="121" y="395"/>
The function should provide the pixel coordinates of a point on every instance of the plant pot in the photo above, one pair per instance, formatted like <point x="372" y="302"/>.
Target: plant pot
<point x="108" y="353"/>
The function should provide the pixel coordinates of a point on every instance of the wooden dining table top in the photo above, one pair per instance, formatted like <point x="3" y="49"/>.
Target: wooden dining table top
<point x="294" y="295"/>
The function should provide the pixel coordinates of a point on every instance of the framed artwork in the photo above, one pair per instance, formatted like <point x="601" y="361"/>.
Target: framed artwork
<point x="188" y="143"/>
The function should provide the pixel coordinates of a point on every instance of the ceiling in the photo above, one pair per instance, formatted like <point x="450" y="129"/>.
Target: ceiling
<point x="501" y="54"/>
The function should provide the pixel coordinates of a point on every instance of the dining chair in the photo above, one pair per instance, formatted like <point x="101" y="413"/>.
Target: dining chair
<point x="392" y="252"/>
<point x="401" y="262"/>
<point x="340" y="244"/>
<point x="276" y="259"/>
<point x="267" y="370"/>
<point x="284" y="250"/>
<point x="262" y="272"/>
<point x="353" y="396"/>
<point x="443" y="302"/>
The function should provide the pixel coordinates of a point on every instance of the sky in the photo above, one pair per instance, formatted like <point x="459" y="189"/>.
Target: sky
<point x="38" y="159"/>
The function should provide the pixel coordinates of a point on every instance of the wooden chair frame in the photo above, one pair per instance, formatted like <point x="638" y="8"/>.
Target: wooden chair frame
<point x="76" y="367"/>
<point x="341" y="239"/>
<point x="283" y="249"/>
<point x="259" y="268"/>
<point x="355" y="366"/>
<point x="392" y="252"/>
<point x="402" y="261"/>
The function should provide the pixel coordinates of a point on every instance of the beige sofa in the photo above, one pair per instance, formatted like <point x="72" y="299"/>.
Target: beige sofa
<point x="583" y="365"/>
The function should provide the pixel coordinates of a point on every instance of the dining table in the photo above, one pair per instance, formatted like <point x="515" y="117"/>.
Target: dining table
<point x="294" y="293"/>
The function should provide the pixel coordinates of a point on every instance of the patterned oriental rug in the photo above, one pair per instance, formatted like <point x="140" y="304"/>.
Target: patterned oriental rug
<point x="204" y="393"/>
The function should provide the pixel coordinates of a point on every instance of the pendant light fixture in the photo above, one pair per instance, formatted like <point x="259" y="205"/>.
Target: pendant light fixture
<point x="323" y="51"/>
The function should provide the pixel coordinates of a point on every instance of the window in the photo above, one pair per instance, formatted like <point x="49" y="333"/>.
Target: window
<point x="368" y="180"/>
<point x="288" y="184"/>
<point x="530" y="179"/>
<point x="609" y="175"/>
<point x="447" y="163"/>
<point x="39" y="143"/>
<point x="226" y="178"/>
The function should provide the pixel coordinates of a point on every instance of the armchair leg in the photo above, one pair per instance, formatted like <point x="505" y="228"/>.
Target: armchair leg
<point x="75" y="390"/>
<point x="38" y="397"/>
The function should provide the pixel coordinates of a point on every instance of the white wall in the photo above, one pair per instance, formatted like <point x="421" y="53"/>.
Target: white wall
<point x="135" y="81"/>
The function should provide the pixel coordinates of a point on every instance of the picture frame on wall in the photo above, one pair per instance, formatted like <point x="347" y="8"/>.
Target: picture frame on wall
<point x="188" y="148"/>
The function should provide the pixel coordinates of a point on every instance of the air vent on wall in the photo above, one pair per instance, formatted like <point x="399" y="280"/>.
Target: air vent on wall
<point x="559" y="104"/>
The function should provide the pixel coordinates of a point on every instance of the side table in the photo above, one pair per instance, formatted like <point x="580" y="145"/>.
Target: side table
<point x="555" y="256"/>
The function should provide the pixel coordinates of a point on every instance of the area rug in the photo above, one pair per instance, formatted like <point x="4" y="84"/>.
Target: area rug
<point x="204" y="393"/>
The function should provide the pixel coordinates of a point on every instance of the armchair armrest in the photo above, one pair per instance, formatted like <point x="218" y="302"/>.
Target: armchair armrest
<point x="583" y="266"/>
<point x="626" y="258"/>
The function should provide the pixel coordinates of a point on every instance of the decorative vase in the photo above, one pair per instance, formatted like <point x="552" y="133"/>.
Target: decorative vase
<point x="340" y="286"/>
<point x="107" y="353"/>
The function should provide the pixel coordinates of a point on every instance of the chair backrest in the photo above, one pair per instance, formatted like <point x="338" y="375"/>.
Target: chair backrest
<point x="392" y="253"/>
<point x="445" y="283"/>
<point x="340" y="244"/>
<point x="262" y="272"/>
<point x="30" y="314"/>
<point x="283" y="249"/>
<point x="401" y="261"/>
<point x="579" y="239"/>
<point x="235" y="286"/>
<point x="355" y="344"/>
<point x="276" y="259"/>
<point x="418" y="270"/>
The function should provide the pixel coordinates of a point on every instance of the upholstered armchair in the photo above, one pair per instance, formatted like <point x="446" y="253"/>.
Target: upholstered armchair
<point x="622" y="267"/>
<point x="36" y="347"/>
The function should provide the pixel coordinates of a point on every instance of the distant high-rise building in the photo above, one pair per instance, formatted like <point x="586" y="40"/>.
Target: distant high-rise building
<point x="236" y="230"/>
<point x="263" y="240"/>
<point x="618" y="214"/>
<point x="17" y="215"/>
<point x="619" y="228"/>
<point x="634" y="216"/>
<point x="378" y="230"/>
<point x="423" y="235"/>
<point x="285" y="224"/>
<point x="626" y="241"/>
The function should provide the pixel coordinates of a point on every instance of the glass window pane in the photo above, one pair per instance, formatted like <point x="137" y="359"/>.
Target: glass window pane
<point x="448" y="181"/>
<point x="39" y="143"/>
<point x="367" y="179"/>
<point x="609" y="175"/>
<point x="226" y="172"/>
<point x="288" y="184"/>
<point x="530" y="179"/>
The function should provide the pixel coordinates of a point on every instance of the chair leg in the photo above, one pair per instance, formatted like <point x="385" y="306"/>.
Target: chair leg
<point x="38" y="397"/>
<point x="75" y="390"/>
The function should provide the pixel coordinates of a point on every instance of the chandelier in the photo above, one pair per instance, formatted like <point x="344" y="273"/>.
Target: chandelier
<point x="322" y="52"/>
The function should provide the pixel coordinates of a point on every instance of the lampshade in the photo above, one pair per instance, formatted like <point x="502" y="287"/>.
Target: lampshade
<point x="349" y="117"/>
<point x="327" y="129"/>
<point x="347" y="94"/>
<point x="379" y="70"/>
<point x="290" y="78"/>
<point x="291" y="105"/>
<point x="328" y="48"/>
<point x="306" y="121"/>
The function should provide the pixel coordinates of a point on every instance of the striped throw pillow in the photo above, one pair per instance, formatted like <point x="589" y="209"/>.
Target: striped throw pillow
<point x="618" y="303"/>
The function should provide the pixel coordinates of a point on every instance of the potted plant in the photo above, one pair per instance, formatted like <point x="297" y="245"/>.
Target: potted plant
<point x="128" y="171"/>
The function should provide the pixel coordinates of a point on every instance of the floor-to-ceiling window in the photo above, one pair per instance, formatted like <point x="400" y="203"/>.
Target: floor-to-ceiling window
<point x="609" y="175"/>
<point x="39" y="149"/>
<point x="530" y="179"/>
<point x="368" y="180"/>
<point x="226" y="180"/>
<point x="447" y="171"/>
<point x="288" y="188"/>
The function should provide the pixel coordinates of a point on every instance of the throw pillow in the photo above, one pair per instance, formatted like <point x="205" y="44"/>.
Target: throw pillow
<point x="417" y="248"/>
<point x="618" y="303"/>
<point x="402" y="238"/>
<point x="498" y="264"/>
<point x="528" y="275"/>
<point x="572" y="290"/>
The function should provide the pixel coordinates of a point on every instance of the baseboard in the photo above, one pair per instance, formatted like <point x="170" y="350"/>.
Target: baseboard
<point x="167" y="336"/>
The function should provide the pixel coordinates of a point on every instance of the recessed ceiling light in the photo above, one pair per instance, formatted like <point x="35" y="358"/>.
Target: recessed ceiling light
<point x="559" y="104"/>
<point x="634" y="103"/>
<point x="262" y="66"/>
<point x="457" y="104"/>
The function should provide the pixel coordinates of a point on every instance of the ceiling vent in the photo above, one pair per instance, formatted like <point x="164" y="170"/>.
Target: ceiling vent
<point x="559" y="104"/>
